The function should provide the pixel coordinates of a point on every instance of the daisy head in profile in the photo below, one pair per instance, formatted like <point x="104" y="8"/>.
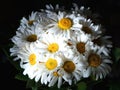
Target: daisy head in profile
<point x="30" y="21"/>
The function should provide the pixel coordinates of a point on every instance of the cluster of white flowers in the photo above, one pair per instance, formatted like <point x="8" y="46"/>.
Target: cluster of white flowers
<point x="56" y="45"/>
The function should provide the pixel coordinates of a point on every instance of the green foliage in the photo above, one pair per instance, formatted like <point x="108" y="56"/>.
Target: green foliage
<point x="82" y="86"/>
<point x="21" y="77"/>
<point x="116" y="52"/>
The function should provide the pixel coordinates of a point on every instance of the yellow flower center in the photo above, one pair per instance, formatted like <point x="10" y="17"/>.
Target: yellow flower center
<point x="51" y="64"/>
<point x="31" y="22"/>
<point x="56" y="74"/>
<point x="86" y="30"/>
<point x="53" y="47"/>
<point x="65" y="23"/>
<point x="80" y="47"/>
<point x="32" y="38"/>
<point x="94" y="60"/>
<point x="69" y="66"/>
<point x="32" y="59"/>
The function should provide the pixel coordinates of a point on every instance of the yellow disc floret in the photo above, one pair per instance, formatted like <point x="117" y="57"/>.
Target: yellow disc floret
<point x="69" y="66"/>
<point x="51" y="64"/>
<point x="53" y="47"/>
<point x="80" y="47"/>
<point x="56" y="74"/>
<point x="94" y="60"/>
<point x="65" y="23"/>
<point x="32" y="59"/>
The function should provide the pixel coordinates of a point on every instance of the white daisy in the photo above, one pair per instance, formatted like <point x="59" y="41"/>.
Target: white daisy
<point x="29" y="56"/>
<point x="89" y="28"/>
<point x="63" y="23"/>
<point x="72" y="68"/>
<point x="81" y="44"/>
<point x="55" y="77"/>
<point x="51" y="44"/>
<point x="48" y="65"/>
<point x="85" y="12"/>
<point x="30" y="36"/>
<point x="98" y="65"/>
<point x="32" y="19"/>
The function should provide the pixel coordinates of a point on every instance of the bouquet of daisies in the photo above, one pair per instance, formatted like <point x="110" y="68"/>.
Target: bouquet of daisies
<point x="57" y="46"/>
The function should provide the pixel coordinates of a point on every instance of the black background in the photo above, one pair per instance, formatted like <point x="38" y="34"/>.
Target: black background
<point x="12" y="11"/>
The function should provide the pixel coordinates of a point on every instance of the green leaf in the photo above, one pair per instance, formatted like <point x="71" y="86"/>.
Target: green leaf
<point x="32" y="84"/>
<point x="82" y="86"/>
<point x="117" y="53"/>
<point x="29" y="84"/>
<point x="21" y="77"/>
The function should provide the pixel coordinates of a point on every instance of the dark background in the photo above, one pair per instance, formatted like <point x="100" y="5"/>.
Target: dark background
<point x="12" y="11"/>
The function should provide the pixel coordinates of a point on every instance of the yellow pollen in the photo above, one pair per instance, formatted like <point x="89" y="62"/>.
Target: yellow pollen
<point x="53" y="47"/>
<point x="80" y="47"/>
<point x="56" y="74"/>
<point x="69" y="66"/>
<point x="51" y="64"/>
<point x="65" y="23"/>
<point x="31" y="22"/>
<point x="32" y="59"/>
<point x="86" y="30"/>
<point x="32" y="38"/>
<point x="94" y="60"/>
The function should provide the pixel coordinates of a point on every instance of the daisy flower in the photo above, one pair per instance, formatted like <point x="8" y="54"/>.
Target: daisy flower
<point x="72" y="69"/>
<point x="89" y="28"/>
<point x="98" y="65"/>
<point x="48" y="65"/>
<point x="30" y="36"/>
<point x="85" y="12"/>
<point x="81" y="44"/>
<point x="32" y="19"/>
<point x="52" y="44"/>
<point x="55" y="77"/>
<point x="63" y="23"/>
<point x="29" y="56"/>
